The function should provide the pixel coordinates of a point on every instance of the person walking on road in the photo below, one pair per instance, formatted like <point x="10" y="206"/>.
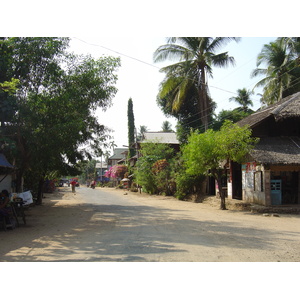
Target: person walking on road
<point x="73" y="184"/>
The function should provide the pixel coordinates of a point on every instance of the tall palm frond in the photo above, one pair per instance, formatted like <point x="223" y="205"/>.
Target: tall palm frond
<point x="279" y="58"/>
<point x="195" y="57"/>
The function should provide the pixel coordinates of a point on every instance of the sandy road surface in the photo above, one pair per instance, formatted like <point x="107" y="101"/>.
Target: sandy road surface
<point x="109" y="225"/>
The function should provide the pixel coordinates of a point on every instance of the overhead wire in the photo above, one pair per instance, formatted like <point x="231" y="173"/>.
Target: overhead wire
<point x="119" y="53"/>
<point x="209" y="86"/>
<point x="141" y="61"/>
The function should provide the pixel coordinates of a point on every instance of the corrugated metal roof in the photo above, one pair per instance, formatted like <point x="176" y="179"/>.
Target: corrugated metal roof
<point x="161" y="137"/>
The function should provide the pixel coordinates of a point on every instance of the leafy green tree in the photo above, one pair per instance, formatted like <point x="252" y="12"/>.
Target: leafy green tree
<point x="207" y="151"/>
<point x="87" y="169"/>
<point x="186" y="80"/>
<point x="234" y="115"/>
<point x="131" y="129"/>
<point x="185" y="184"/>
<point x="9" y="86"/>
<point x="187" y="116"/>
<point x="148" y="172"/>
<point x="54" y="126"/>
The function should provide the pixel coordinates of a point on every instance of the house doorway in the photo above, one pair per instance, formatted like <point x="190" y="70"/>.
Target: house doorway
<point x="236" y="172"/>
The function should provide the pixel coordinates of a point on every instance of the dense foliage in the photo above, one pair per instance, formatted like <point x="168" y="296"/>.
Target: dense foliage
<point x="278" y="63"/>
<point x="153" y="167"/>
<point x="205" y="152"/>
<point x="186" y="79"/>
<point x="50" y="122"/>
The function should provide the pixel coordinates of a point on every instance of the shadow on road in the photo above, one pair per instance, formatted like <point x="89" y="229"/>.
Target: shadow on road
<point x="88" y="232"/>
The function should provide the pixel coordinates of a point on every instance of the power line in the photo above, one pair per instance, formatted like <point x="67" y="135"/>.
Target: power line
<point x="209" y="86"/>
<point x="119" y="53"/>
<point x="141" y="61"/>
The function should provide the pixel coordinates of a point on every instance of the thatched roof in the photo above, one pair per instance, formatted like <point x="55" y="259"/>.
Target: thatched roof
<point x="277" y="151"/>
<point x="288" y="107"/>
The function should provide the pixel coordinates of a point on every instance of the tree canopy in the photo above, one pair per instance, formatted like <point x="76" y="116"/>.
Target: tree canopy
<point x="205" y="153"/>
<point x="53" y="125"/>
<point x="186" y="79"/>
<point x="152" y="171"/>
<point x="278" y="63"/>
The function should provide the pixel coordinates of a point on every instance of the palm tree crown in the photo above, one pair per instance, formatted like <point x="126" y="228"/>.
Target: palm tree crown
<point x="167" y="127"/>
<point x="243" y="98"/>
<point x="282" y="72"/>
<point x="187" y="78"/>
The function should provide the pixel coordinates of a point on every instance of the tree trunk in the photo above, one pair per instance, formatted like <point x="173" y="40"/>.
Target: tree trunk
<point x="19" y="181"/>
<point x="40" y="191"/>
<point x="203" y="100"/>
<point x="221" y="191"/>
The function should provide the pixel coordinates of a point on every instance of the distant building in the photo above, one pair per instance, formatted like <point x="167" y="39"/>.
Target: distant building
<point x="161" y="138"/>
<point x="119" y="156"/>
<point x="101" y="168"/>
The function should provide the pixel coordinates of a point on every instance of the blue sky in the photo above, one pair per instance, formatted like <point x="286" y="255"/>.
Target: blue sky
<point x="139" y="78"/>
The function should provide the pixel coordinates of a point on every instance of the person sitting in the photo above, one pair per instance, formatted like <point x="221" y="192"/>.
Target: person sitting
<point x="93" y="184"/>
<point x="6" y="213"/>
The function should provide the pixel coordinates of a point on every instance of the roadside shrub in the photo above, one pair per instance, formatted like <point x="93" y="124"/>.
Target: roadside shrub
<point x="152" y="165"/>
<point x="185" y="184"/>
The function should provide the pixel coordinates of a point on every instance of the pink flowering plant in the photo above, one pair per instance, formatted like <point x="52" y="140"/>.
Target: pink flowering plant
<point x="116" y="171"/>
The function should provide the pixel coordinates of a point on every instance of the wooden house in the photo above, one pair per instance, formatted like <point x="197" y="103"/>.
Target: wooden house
<point x="270" y="175"/>
<point x="119" y="156"/>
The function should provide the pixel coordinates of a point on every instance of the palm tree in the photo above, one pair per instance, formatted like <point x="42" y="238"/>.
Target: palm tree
<point x="186" y="80"/>
<point x="280" y="72"/>
<point x="243" y="98"/>
<point x="293" y="44"/>
<point x="167" y="127"/>
<point x="142" y="130"/>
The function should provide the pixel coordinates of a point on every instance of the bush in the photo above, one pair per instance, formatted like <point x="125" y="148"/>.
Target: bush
<point x="184" y="184"/>
<point x="187" y="185"/>
<point x="152" y="171"/>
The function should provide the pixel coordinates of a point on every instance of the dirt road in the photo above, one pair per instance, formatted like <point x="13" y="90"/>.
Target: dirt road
<point x="111" y="225"/>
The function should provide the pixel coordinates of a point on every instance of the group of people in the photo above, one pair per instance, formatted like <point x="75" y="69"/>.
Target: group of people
<point x="74" y="183"/>
<point x="92" y="184"/>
